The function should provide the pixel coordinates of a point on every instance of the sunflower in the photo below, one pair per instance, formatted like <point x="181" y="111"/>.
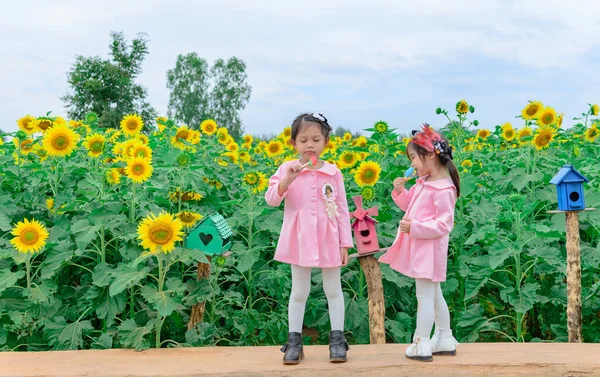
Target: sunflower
<point x="367" y="193"/>
<point x="184" y="196"/>
<point x="274" y="148"/>
<point x="25" y="146"/>
<point x="50" y="204"/>
<point x="257" y="181"/>
<point x="30" y="236"/>
<point x="60" y="121"/>
<point x="141" y="151"/>
<point x="543" y="137"/>
<point x="248" y="139"/>
<point x="76" y="124"/>
<point x="347" y="136"/>
<point x="232" y="147"/>
<point x="60" y="141"/>
<point x="188" y="218"/>
<point x="143" y="138"/>
<point x="40" y="152"/>
<point x="594" y="109"/>
<point x="244" y="156"/>
<point x="160" y="233"/>
<point x="42" y="124"/>
<point x="132" y="124"/>
<point x="209" y="127"/>
<point x="184" y="159"/>
<point x="347" y="159"/>
<point x="591" y="133"/>
<point x="113" y="176"/>
<point x="467" y="164"/>
<point x="381" y="126"/>
<point x="183" y="134"/>
<point x="508" y="132"/>
<point x="367" y="173"/>
<point x="138" y="169"/>
<point x="287" y="132"/>
<point x="113" y="138"/>
<point x="532" y="110"/>
<point x="559" y="120"/>
<point x="483" y="134"/>
<point x="194" y="137"/>
<point x="26" y="124"/>
<point x="462" y="107"/>
<point x="95" y="145"/>
<point x="223" y="135"/>
<point x="361" y="142"/>
<point x="547" y="117"/>
<point x="233" y="157"/>
<point x="524" y="133"/>
<point x="216" y="184"/>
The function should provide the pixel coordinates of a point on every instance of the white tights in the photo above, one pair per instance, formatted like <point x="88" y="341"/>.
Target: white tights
<point x="301" y="288"/>
<point x="432" y="306"/>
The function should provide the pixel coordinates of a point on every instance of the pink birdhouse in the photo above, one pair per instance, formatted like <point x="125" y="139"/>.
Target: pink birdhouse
<point x="363" y="225"/>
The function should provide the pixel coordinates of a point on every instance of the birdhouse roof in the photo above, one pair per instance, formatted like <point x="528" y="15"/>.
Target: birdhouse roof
<point x="220" y="224"/>
<point x="568" y="175"/>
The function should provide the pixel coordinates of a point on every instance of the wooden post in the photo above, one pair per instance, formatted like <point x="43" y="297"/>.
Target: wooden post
<point x="573" y="275"/>
<point x="197" y="314"/>
<point x="573" y="278"/>
<point x="372" y="271"/>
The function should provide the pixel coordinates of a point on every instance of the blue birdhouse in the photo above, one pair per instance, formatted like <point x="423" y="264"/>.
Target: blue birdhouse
<point x="569" y="189"/>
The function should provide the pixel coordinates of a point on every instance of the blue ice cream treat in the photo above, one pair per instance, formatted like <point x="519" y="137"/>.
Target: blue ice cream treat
<point x="410" y="172"/>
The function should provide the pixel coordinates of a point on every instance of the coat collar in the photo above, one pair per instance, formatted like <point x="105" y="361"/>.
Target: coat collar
<point x="439" y="184"/>
<point x="327" y="168"/>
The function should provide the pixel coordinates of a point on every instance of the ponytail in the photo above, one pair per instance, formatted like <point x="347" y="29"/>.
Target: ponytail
<point x="454" y="175"/>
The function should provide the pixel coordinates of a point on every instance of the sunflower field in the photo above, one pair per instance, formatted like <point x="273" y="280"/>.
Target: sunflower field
<point x="92" y="223"/>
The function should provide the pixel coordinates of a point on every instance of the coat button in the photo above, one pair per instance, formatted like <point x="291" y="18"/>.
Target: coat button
<point x="313" y="199"/>
<point x="313" y="187"/>
<point x="313" y="213"/>
<point x="313" y="173"/>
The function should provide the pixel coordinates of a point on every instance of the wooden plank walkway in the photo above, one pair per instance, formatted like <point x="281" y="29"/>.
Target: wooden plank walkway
<point x="476" y="359"/>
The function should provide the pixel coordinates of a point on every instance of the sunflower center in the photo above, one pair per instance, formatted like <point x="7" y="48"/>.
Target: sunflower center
<point x="369" y="175"/>
<point x="593" y="133"/>
<point x="96" y="146"/>
<point x="183" y="134"/>
<point x="28" y="126"/>
<point x="510" y="134"/>
<point x="131" y="125"/>
<point x="210" y="128"/>
<point x="532" y="110"/>
<point x="140" y="153"/>
<point x="29" y="236"/>
<point x="60" y="142"/>
<point x="138" y="169"/>
<point x="186" y="217"/>
<point x="251" y="179"/>
<point x="273" y="148"/>
<point x="44" y="124"/>
<point x="348" y="158"/>
<point x="161" y="233"/>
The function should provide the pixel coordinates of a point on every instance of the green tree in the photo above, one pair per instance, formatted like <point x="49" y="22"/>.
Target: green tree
<point x="198" y="94"/>
<point x="107" y="86"/>
<point x="340" y="131"/>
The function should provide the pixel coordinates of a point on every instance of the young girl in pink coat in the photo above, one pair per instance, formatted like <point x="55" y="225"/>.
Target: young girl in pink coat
<point x="315" y="232"/>
<point x="420" y="249"/>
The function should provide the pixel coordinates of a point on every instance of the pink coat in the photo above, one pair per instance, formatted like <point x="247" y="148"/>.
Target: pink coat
<point x="309" y="237"/>
<point x="423" y="253"/>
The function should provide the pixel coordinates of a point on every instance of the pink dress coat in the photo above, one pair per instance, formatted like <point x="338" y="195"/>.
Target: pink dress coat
<point x="423" y="253"/>
<point x="309" y="236"/>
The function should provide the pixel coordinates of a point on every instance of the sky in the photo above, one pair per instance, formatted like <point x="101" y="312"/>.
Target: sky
<point x="355" y="61"/>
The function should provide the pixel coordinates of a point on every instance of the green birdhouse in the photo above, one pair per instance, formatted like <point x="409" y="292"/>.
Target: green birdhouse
<point x="212" y="235"/>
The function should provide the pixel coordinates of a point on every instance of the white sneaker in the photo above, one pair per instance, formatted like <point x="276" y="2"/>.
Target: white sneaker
<point x="419" y="350"/>
<point x="443" y="343"/>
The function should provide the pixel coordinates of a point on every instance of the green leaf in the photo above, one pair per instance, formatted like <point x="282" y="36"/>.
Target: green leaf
<point x="478" y="275"/>
<point x="132" y="336"/>
<point x="126" y="278"/>
<point x="65" y="336"/>
<point x="185" y="255"/>
<point x="521" y="300"/>
<point x="164" y="302"/>
<point x="56" y="257"/>
<point x="247" y="258"/>
<point x="103" y="275"/>
<point x="107" y="307"/>
<point x="43" y="293"/>
<point x="399" y="328"/>
<point x="395" y="278"/>
<point x="84" y="233"/>
<point x="9" y="278"/>
<point x="5" y="222"/>
<point x="498" y="253"/>
<point x="103" y="342"/>
<point x="472" y="323"/>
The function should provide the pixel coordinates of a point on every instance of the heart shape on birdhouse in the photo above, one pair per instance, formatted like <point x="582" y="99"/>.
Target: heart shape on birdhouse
<point x="205" y="238"/>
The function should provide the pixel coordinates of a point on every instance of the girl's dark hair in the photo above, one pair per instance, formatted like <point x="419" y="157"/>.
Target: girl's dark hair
<point x="300" y="121"/>
<point x="445" y="159"/>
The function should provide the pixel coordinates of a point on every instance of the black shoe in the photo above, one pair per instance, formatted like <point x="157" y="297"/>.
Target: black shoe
<point x="337" y="347"/>
<point x="293" y="350"/>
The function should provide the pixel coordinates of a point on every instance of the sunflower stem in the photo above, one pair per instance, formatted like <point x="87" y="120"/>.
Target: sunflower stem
<point x="132" y="207"/>
<point x="102" y="243"/>
<point x="161" y="280"/>
<point x="131" y="302"/>
<point x="28" y="270"/>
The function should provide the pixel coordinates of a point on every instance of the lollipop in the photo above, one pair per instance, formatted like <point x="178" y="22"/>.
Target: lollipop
<point x="313" y="161"/>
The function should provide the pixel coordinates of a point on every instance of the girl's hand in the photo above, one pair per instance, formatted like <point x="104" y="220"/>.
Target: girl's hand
<point x="405" y="225"/>
<point x="399" y="183"/>
<point x="292" y="173"/>
<point x="344" y="255"/>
